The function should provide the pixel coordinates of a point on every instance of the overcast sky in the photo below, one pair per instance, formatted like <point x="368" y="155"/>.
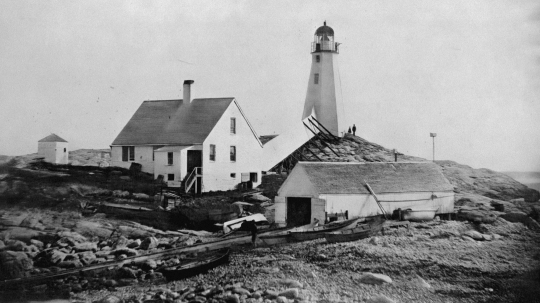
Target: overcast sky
<point x="466" y="70"/>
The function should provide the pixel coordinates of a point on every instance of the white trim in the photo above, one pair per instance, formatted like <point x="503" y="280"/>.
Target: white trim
<point x="247" y="121"/>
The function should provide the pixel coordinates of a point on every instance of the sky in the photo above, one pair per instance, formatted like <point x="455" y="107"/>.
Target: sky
<point x="466" y="70"/>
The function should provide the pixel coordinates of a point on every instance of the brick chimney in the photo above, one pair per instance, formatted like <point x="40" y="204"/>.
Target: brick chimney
<point x="187" y="91"/>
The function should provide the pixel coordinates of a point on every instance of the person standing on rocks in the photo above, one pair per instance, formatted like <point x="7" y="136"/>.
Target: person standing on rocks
<point x="251" y="227"/>
<point x="349" y="131"/>
<point x="354" y="129"/>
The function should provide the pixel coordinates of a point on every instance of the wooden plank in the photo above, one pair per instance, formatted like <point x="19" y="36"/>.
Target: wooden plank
<point x="376" y="200"/>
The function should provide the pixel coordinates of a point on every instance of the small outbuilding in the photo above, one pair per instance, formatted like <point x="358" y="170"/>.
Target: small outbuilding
<point x="320" y="190"/>
<point x="54" y="149"/>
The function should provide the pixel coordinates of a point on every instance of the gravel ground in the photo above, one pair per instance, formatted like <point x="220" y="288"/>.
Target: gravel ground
<point x="431" y="262"/>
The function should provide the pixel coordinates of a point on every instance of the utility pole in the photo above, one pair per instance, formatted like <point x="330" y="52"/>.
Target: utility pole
<point x="433" y="135"/>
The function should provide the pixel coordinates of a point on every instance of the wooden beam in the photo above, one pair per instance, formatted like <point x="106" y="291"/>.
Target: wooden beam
<point x="324" y="128"/>
<point x="376" y="199"/>
<point x="313" y="153"/>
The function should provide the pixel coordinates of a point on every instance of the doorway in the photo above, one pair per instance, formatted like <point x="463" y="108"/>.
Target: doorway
<point x="194" y="159"/>
<point x="298" y="211"/>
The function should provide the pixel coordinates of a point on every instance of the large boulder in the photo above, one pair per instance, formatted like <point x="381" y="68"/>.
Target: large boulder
<point x="476" y="215"/>
<point x="50" y="257"/>
<point x="14" y="264"/>
<point x="87" y="257"/>
<point x="486" y="182"/>
<point x="72" y="237"/>
<point x="85" y="246"/>
<point x="521" y="217"/>
<point x="15" y="245"/>
<point x="515" y="217"/>
<point x="371" y="278"/>
<point x="149" y="243"/>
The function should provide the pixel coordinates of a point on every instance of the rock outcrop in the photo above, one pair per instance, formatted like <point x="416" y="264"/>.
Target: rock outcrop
<point x="486" y="182"/>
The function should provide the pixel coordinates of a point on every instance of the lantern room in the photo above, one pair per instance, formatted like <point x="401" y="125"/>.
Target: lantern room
<point x="324" y="40"/>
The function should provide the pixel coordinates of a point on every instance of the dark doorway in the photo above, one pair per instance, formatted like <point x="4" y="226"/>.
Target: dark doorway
<point x="194" y="159"/>
<point x="298" y="211"/>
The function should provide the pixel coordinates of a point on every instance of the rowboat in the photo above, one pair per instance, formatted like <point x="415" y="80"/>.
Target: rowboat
<point x="284" y="236"/>
<point x="361" y="231"/>
<point x="199" y="265"/>
<point x="319" y="231"/>
<point x="418" y="214"/>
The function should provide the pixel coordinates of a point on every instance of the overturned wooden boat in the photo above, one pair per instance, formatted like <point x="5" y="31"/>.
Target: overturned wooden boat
<point x="418" y="214"/>
<point x="275" y="239"/>
<point x="361" y="231"/>
<point x="281" y="236"/>
<point x="319" y="231"/>
<point x="201" y="264"/>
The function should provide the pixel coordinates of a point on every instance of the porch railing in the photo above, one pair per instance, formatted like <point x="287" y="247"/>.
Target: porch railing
<point x="191" y="178"/>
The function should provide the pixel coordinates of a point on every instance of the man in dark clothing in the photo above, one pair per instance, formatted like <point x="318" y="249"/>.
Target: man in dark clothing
<point x="354" y="129"/>
<point x="252" y="227"/>
<point x="349" y="130"/>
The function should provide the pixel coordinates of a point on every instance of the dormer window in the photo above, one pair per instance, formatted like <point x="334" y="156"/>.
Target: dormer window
<point x="233" y="125"/>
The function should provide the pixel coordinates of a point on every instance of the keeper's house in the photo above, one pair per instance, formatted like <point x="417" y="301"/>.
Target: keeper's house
<point x="322" y="189"/>
<point x="202" y="144"/>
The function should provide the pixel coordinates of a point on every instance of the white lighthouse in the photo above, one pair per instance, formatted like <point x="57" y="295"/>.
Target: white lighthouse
<point x="323" y="98"/>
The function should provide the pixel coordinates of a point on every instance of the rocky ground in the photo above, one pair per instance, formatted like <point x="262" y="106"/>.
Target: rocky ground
<point x="491" y="254"/>
<point x="439" y="261"/>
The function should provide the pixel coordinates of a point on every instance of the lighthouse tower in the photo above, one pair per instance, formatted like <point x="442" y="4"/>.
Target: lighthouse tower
<point x="323" y="98"/>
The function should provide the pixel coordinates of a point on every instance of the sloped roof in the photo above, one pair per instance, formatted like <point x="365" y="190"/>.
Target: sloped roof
<point x="383" y="177"/>
<point x="52" y="138"/>
<point x="171" y="122"/>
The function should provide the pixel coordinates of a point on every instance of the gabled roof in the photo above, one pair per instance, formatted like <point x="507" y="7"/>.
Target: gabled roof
<point x="389" y="177"/>
<point x="52" y="138"/>
<point x="171" y="122"/>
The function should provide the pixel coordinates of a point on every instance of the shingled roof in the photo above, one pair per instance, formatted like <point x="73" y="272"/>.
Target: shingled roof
<point x="52" y="138"/>
<point x="383" y="177"/>
<point x="171" y="122"/>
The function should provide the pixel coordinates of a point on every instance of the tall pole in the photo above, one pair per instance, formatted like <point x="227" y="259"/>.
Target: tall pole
<point x="433" y="135"/>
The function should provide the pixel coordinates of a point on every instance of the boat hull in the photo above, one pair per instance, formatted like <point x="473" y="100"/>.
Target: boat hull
<point x="360" y="232"/>
<point x="275" y="239"/>
<point x="196" y="267"/>
<point x="418" y="214"/>
<point x="319" y="231"/>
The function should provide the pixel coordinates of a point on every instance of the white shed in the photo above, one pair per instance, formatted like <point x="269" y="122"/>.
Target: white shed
<point x="54" y="149"/>
<point x="318" y="189"/>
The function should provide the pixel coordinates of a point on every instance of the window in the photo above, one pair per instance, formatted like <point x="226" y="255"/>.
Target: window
<point x="233" y="125"/>
<point x="316" y="80"/>
<point x="253" y="177"/>
<point x="318" y="58"/>
<point x="233" y="153"/>
<point x="233" y="175"/>
<point x="128" y="153"/>
<point x="154" y="151"/>
<point x="170" y="177"/>
<point x="64" y="149"/>
<point x="170" y="158"/>
<point x="212" y="152"/>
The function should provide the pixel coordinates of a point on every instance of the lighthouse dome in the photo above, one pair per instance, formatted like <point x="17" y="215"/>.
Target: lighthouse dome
<point x="324" y="30"/>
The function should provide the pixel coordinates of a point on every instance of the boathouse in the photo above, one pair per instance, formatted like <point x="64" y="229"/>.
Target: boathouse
<point x="323" y="190"/>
